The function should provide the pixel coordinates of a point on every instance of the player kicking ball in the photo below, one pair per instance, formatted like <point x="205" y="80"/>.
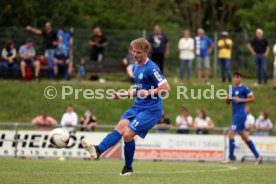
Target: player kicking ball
<point x="146" y="111"/>
<point x="239" y="96"/>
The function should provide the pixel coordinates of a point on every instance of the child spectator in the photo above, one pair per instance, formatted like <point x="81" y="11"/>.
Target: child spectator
<point x="263" y="125"/>
<point x="9" y="60"/>
<point x="184" y="121"/>
<point x="82" y="69"/>
<point x="203" y="122"/>
<point x="88" y="121"/>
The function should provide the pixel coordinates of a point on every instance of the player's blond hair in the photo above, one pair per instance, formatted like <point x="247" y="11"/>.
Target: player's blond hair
<point x="141" y="43"/>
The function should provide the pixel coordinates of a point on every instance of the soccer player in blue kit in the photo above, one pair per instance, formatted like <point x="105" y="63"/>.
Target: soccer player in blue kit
<point x="146" y="111"/>
<point x="239" y="96"/>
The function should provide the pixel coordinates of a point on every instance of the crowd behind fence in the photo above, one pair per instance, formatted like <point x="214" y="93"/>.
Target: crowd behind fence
<point x="118" y="43"/>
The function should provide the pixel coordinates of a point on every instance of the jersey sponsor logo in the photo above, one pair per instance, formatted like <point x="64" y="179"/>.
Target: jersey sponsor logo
<point x="236" y="93"/>
<point x="158" y="76"/>
<point x="141" y="76"/>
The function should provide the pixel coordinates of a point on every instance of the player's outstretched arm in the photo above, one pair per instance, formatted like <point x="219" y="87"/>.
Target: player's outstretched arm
<point x="123" y="95"/>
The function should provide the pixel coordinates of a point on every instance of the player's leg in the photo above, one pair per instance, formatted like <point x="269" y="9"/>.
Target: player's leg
<point x="129" y="150"/>
<point x="251" y="146"/>
<point x="231" y="136"/>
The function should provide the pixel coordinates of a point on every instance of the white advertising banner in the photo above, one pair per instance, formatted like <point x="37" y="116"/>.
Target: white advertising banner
<point x="36" y="143"/>
<point x="180" y="147"/>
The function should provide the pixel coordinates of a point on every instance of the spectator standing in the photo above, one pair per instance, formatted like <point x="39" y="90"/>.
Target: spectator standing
<point x="88" y="121"/>
<point x="259" y="48"/>
<point x="263" y="125"/>
<point x="224" y="54"/>
<point x="43" y="121"/>
<point x="163" y="125"/>
<point x="69" y="119"/>
<point x="160" y="46"/>
<point x="274" y="68"/>
<point x="184" y="121"/>
<point x="203" y="46"/>
<point x="27" y="59"/>
<point x="186" y="47"/>
<point x="203" y="122"/>
<point x="9" y="60"/>
<point x="49" y="42"/>
<point x="129" y="61"/>
<point x="98" y="43"/>
<point x="250" y="119"/>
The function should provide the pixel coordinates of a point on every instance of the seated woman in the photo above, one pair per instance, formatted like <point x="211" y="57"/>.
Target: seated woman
<point x="9" y="60"/>
<point x="62" y="62"/>
<point x="184" y="121"/>
<point x="263" y="125"/>
<point x="88" y="121"/>
<point x="203" y="122"/>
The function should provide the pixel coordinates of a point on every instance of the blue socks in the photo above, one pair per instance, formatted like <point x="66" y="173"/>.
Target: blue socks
<point x="253" y="149"/>
<point x="129" y="153"/>
<point x="109" y="141"/>
<point x="231" y="149"/>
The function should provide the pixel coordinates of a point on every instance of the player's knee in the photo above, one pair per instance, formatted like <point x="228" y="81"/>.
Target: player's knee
<point x="127" y="137"/>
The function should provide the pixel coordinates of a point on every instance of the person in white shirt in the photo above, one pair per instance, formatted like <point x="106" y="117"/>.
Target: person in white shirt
<point x="274" y="70"/>
<point x="203" y="122"/>
<point x="69" y="119"/>
<point x="263" y="125"/>
<point x="250" y="119"/>
<point x="184" y="121"/>
<point x="186" y="47"/>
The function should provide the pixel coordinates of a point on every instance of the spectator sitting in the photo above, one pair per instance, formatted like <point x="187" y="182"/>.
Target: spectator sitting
<point x="184" y="121"/>
<point x="129" y="61"/>
<point x="9" y="60"/>
<point x="88" y="121"/>
<point x="49" y="42"/>
<point x="69" y="119"/>
<point x="44" y="122"/>
<point x="98" y="43"/>
<point x="27" y="55"/>
<point x="250" y="119"/>
<point x="202" y="122"/>
<point x="163" y="125"/>
<point x="62" y="61"/>
<point x="263" y="125"/>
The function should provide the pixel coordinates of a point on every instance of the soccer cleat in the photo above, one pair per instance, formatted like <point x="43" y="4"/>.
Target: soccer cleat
<point x="259" y="161"/>
<point x="126" y="171"/>
<point x="91" y="149"/>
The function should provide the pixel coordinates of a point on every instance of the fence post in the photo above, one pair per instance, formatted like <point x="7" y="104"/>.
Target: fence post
<point x="215" y="54"/>
<point x="225" y="141"/>
<point x="144" y="33"/>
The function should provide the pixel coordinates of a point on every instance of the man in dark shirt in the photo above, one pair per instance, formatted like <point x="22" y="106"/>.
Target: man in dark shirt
<point x="160" y="46"/>
<point x="98" y="43"/>
<point x="259" y="48"/>
<point x="49" y="41"/>
<point x="163" y="125"/>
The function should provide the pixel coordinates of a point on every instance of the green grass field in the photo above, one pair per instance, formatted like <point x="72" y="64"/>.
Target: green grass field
<point x="21" y="101"/>
<point x="84" y="172"/>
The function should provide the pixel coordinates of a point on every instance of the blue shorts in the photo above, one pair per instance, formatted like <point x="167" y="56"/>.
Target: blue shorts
<point x="238" y="123"/>
<point x="141" y="121"/>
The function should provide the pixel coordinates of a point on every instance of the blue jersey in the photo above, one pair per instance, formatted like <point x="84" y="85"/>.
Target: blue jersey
<point x="148" y="76"/>
<point x="241" y="92"/>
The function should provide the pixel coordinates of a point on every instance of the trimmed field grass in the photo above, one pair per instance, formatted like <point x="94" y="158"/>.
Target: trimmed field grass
<point x="83" y="172"/>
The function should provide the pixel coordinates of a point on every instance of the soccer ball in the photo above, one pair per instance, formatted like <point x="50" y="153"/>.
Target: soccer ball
<point x="59" y="138"/>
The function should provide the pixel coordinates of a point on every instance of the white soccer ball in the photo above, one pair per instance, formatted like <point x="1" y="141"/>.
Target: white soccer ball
<point x="59" y="138"/>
